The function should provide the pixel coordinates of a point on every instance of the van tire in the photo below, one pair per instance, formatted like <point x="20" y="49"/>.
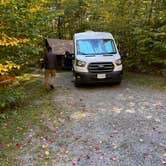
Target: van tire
<point x="118" y="82"/>
<point x="76" y="84"/>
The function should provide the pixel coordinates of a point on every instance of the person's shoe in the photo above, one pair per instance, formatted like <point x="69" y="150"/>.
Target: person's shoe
<point x="51" y="86"/>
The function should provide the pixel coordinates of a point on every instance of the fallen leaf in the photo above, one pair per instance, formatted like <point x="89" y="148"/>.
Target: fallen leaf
<point x="8" y="145"/>
<point x="97" y="148"/>
<point x="101" y="158"/>
<point x="87" y="156"/>
<point x="113" y="158"/>
<point x="114" y="146"/>
<point x="51" y="140"/>
<point x="162" y="145"/>
<point x="46" y="153"/>
<point x="44" y="146"/>
<point x="152" y="142"/>
<point x="164" y="154"/>
<point x="40" y="156"/>
<point x="18" y="145"/>
<point x="43" y="138"/>
<point x="61" y="120"/>
<point x="77" y="138"/>
<point x="164" y="161"/>
<point x="41" y="120"/>
<point x="74" y="162"/>
<point x="67" y="152"/>
<point x="146" y="154"/>
<point x="115" y="131"/>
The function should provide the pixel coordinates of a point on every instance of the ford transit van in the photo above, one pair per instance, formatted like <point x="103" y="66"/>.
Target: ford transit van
<point x="96" y="58"/>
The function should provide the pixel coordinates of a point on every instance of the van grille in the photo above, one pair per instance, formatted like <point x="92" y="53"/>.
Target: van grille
<point x="101" y="67"/>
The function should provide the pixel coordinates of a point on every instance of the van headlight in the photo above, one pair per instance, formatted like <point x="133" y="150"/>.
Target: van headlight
<point x="118" y="62"/>
<point x="80" y="63"/>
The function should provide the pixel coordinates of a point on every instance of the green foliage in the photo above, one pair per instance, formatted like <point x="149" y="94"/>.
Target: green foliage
<point x="138" y="27"/>
<point x="24" y="25"/>
<point x="10" y="97"/>
<point x="27" y="87"/>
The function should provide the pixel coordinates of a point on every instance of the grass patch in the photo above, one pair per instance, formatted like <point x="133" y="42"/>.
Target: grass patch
<point x="12" y="130"/>
<point x="27" y="87"/>
<point x="37" y="111"/>
<point x="146" y="80"/>
<point x="15" y="130"/>
<point x="10" y="97"/>
<point x="35" y="102"/>
<point x="13" y="133"/>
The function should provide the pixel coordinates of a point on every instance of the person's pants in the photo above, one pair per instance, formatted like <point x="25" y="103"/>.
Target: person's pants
<point x="50" y="77"/>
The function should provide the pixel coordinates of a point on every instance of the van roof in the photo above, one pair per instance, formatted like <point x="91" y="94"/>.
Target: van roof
<point x="93" y="35"/>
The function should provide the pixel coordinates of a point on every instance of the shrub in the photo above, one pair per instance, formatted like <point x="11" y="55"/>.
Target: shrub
<point x="10" y="97"/>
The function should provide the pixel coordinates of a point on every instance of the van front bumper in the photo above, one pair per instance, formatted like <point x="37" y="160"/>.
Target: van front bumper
<point x="83" y="77"/>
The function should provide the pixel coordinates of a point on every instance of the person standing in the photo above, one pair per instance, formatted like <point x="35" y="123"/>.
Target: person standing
<point x="50" y="68"/>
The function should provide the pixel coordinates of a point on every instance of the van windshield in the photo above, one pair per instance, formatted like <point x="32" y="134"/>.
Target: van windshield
<point x="95" y="47"/>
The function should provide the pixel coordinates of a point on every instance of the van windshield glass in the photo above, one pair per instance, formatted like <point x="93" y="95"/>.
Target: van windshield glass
<point x="95" y="46"/>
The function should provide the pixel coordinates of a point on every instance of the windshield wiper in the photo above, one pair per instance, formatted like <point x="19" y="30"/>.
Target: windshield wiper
<point x="109" y="53"/>
<point x="87" y="55"/>
<point x="112" y="52"/>
<point x="90" y="55"/>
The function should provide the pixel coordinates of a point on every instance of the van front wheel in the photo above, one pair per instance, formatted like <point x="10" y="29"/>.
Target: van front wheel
<point x="76" y="84"/>
<point x="118" y="82"/>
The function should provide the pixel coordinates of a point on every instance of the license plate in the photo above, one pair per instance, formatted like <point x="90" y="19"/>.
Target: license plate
<point x="101" y="76"/>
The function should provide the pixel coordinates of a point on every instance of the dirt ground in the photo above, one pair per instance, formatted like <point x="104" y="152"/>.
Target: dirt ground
<point x="104" y="125"/>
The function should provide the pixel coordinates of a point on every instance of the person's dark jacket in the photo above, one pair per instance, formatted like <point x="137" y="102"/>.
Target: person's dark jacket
<point x="49" y="60"/>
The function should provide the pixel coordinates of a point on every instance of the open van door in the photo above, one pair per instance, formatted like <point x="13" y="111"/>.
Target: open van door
<point x="63" y="49"/>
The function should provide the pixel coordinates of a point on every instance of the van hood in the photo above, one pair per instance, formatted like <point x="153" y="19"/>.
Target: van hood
<point x="98" y="58"/>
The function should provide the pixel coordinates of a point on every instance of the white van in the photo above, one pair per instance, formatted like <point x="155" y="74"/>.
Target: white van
<point x="96" y="58"/>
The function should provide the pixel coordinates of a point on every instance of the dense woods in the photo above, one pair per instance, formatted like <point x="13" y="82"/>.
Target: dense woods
<point x="138" y="26"/>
